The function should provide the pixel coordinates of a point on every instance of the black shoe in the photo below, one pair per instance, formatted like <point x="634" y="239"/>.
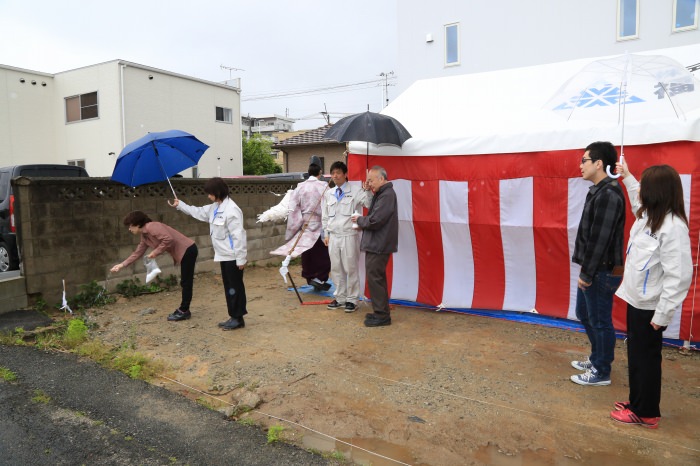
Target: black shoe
<point x="179" y="315"/>
<point x="335" y="305"/>
<point x="350" y="307"/>
<point x="233" y="323"/>
<point x="223" y="324"/>
<point x="377" y="320"/>
<point x="319" y="285"/>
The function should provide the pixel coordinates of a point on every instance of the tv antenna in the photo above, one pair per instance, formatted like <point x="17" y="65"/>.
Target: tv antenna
<point x="230" y="69"/>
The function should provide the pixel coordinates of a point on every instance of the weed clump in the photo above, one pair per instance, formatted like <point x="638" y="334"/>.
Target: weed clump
<point x="75" y="333"/>
<point x="133" y="287"/>
<point x="40" y="397"/>
<point x="273" y="433"/>
<point x="7" y="375"/>
<point x="91" y="295"/>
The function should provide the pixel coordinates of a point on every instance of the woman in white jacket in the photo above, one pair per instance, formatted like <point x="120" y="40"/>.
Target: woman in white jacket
<point x="658" y="271"/>
<point x="228" y="237"/>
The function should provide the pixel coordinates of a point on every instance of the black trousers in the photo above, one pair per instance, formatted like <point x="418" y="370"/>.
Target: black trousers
<point x="234" y="289"/>
<point x="644" y="359"/>
<point x="375" y="269"/>
<point x="315" y="262"/>
<point x="187" y="276"/>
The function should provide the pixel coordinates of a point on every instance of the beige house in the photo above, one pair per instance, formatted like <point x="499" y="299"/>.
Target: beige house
<point x="279" y="155"/>
<point x="298" y="150"/>
<point x="87" y="115"/>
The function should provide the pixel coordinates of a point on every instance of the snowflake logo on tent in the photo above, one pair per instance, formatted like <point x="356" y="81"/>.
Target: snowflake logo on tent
<point x="592" y="97"/>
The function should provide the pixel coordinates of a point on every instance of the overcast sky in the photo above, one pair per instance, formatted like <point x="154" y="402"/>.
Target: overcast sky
<point x="282" y="45"/>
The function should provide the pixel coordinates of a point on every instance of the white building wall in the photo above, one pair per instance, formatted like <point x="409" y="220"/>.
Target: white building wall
<point x="26" y="125"/>
<point x="170" y="102"/>
<point x="132" y="101"/>
<point x="90" y="140"/>
<point x="513" y="33"/>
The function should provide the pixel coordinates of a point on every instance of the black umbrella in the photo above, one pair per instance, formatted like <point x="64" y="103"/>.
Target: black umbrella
<point x="369" y="127"/>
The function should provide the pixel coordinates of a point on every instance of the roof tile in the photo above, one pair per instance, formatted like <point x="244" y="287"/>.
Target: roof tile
<point x="314" y="136"/>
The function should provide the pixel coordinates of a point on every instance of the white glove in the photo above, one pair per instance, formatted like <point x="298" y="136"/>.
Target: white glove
<point x="152" y="269"/>
<point x="284" y="270"/>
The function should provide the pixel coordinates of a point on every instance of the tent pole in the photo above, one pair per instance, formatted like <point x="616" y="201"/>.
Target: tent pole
<point x="367" y="157"/>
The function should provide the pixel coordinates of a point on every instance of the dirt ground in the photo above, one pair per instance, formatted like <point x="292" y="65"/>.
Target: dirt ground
<point x="434" y="388"/>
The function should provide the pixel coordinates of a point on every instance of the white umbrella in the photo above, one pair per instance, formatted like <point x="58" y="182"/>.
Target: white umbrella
<point x="642" y="87"/>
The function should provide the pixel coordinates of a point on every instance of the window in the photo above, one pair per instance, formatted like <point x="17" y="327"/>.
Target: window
<point x="685" y="15"/>
<point x="77" y="163"/>
<point x="452" y="44"/>
<point x="81" y="107"/>
<point x="224" y="114"/>
<point x="627" y="19"/>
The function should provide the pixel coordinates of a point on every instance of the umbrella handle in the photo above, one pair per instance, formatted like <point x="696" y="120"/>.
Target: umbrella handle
<point x="611" y="175"/>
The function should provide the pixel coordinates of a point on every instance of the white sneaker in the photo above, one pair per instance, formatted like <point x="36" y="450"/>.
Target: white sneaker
<point x="590" y="377"/>
<point x="582" y="365"/>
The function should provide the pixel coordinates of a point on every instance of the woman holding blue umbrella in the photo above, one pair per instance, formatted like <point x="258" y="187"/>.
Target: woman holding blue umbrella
<point x="228" y="237"/>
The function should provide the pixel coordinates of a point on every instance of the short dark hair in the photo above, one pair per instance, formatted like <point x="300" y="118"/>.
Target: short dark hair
<point x="339" y="166"/>
<point x="137" y="218"/>
<point x="217" y="188"/>
<point x="314" y="170"/>
<point x="605" y="151"/>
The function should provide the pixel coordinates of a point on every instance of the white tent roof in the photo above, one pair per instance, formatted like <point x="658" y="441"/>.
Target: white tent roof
<point x="503" y="112"/>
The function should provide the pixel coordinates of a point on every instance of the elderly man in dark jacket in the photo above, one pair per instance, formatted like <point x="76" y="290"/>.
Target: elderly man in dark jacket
<point x="380" y="238"/>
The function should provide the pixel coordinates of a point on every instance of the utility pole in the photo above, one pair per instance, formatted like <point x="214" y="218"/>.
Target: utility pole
<point x="385" y="87"/>
<point x="325" y="114"/>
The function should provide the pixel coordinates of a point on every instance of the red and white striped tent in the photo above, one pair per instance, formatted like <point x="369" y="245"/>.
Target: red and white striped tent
<point x="490" y="192"/>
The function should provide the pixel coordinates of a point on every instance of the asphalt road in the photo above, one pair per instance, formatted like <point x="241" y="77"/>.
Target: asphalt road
<point x="100" y="417"/>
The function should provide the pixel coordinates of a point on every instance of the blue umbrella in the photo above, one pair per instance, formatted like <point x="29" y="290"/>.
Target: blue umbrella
<point x="157" y="157"/>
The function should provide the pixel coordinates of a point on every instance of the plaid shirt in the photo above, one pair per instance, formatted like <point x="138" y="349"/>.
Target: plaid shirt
<point x="599" y="240"/>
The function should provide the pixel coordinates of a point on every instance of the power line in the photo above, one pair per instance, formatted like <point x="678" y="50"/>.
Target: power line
<point x="319" y="90"/>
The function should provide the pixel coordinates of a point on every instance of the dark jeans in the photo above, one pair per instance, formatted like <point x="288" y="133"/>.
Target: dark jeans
<point x="594" y="310"/>
<point x="187" y="276"/>
<point x="644" y="360"/>
<point x="375" y="269"/>
<point x="234" y="289"/>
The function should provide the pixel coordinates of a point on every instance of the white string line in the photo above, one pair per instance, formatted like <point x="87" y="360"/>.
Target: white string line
<point x="287" y="421"/>
<point x="351" y="372"/>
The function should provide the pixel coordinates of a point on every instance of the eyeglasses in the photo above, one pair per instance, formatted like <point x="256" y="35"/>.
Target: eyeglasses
<point x="584" y="160"/>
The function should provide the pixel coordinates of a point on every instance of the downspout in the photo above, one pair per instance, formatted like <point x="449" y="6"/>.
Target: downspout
<point x="123" y="116"/>
<point x="240" y="131"/>
<point x="240" y="120"/>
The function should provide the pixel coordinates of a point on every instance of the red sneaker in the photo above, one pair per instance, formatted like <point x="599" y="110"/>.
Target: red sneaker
<point x="626" y="416"/>
<point x="620" y="405"/>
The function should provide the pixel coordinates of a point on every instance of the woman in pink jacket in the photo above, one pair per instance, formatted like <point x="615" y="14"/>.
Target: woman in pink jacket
<point x="162" y="238"/>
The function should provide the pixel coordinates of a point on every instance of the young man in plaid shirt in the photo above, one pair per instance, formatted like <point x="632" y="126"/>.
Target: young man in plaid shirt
<point x="598" y="249"/>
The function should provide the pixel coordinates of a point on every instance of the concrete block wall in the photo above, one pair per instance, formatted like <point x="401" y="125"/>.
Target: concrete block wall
<point x="71" y="228"/>
<point x="14" y="295"/>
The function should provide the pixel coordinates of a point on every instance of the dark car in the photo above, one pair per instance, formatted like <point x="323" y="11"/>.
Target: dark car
<point x="9" y="257"/>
